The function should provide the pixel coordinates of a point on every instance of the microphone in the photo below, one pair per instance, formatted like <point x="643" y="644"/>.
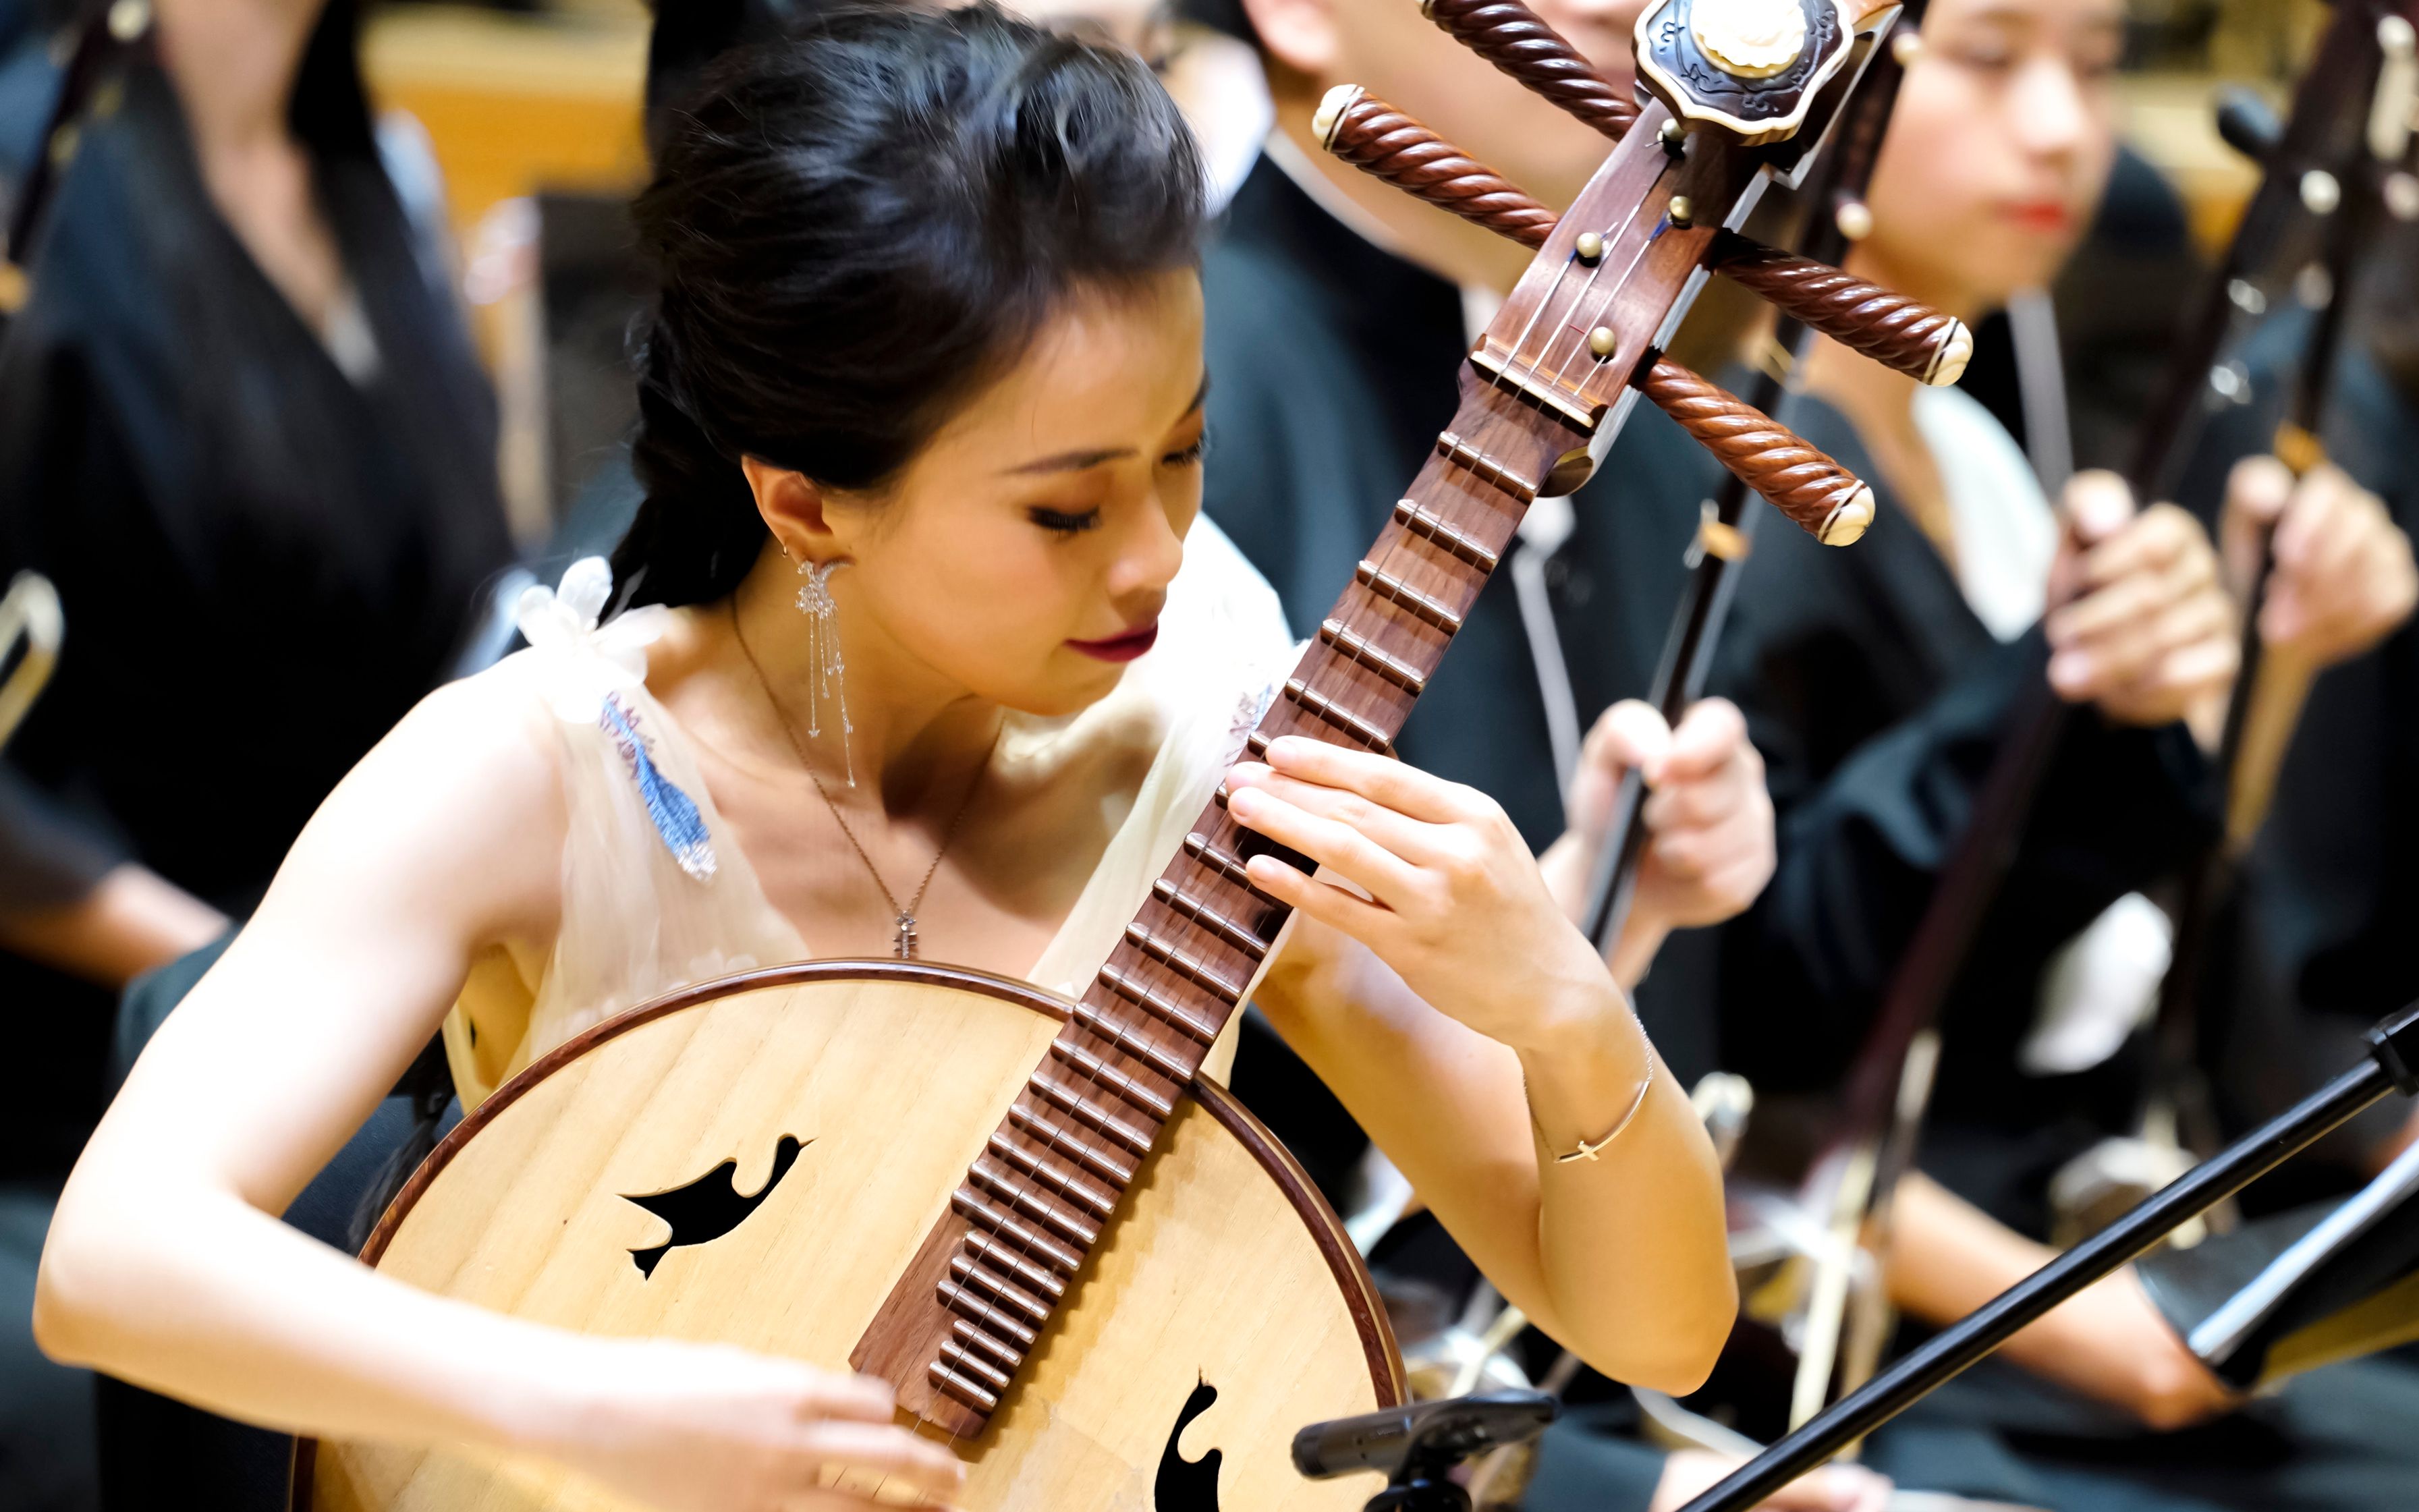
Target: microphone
<point x="1439" y="1433"/>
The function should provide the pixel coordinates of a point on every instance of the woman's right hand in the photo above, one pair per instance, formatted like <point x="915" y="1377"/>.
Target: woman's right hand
<point x="691" y="1427"/>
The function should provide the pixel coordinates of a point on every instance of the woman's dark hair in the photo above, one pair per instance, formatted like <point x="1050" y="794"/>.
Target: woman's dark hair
<point x="854" y="228"/>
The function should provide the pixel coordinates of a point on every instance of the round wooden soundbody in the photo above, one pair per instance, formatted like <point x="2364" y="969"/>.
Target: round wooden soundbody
<point x="1224" y="1268"/>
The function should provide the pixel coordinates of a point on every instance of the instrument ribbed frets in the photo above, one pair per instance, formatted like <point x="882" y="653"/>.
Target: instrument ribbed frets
<point x="1050" y="1178"/>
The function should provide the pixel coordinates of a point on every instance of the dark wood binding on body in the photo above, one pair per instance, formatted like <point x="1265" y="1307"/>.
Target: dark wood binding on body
<point x="1379" y="139"/>
<point x="1519" y="42"/>
<point x="1833" y="504"/>
<point x="1891" y="328"/>
<point x="1326" y="1230"/>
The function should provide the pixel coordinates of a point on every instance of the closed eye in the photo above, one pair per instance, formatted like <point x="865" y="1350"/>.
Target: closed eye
<point x="1058" y="522"/>
<point x="1190" y="456"/>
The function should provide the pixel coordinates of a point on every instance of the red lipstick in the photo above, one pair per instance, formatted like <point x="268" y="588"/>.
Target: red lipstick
<point x="2043" y="215"/>
<point x="1124" y="647"/>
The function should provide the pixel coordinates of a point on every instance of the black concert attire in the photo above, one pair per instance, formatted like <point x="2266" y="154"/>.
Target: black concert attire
<point x="1879" y="700"/>
<point x="265" y="561"/>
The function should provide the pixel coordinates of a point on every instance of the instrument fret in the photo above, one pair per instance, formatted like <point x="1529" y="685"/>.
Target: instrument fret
<point x="969" y="1204"/>
<point x="1125" y="986"/>
<point x="1178" y="901"/>
<point x="1038" y="1166"/>
<point x="1191" y="968"/>
<point x="1066" y="1141"/>
<point x="1091" y="1113"/>
<point x="968" y="1272"/>
<point x="1000" y="1183"/>
<point x="990" y="1251"/>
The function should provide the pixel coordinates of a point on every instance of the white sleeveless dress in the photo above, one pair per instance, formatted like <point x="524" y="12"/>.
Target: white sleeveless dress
<point x="657" y="895"/>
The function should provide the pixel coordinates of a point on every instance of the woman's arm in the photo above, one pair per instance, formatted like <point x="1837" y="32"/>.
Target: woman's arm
<point x="166" y="1265"/>
<point x="1529" y="1051"/>
<point x="127" y="922"/>
<point x="1948" y="1258"/>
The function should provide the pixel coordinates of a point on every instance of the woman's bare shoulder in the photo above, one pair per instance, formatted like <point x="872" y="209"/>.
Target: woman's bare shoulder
<point x="461" y="803"/>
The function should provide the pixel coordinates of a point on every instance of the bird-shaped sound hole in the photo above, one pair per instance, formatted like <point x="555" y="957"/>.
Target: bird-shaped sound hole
<point x="710" y="1207"/>
<point x="1188" y="1485"/>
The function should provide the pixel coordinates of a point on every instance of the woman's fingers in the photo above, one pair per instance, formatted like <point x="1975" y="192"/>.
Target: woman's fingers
<point x="868" y="1455"/>
<point x="839" y="1395"/>
<point x="1331" y="842"/>
<point x="1344" y="911"/>
<point x="1381" y="779"/>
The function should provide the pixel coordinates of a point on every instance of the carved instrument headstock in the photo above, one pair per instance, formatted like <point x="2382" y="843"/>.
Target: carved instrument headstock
<point x="1736" y="92"/>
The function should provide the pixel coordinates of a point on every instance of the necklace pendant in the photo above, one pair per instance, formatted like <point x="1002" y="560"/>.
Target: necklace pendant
<point x="906" y="941"/>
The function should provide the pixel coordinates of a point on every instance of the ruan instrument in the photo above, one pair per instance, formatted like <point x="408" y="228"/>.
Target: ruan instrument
<point x="1075" y="1260"/>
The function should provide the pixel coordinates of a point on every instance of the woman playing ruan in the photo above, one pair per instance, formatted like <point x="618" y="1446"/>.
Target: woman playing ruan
<point x="928" y="344"/>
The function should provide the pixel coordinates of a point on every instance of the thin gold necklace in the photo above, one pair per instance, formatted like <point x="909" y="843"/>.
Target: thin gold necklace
<point x="904" y="942"/>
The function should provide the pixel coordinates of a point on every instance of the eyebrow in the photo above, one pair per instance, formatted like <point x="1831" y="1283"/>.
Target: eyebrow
<point x="1078" y="461"/>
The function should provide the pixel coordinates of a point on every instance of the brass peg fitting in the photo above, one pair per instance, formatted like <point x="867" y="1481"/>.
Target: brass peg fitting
<point x="1854" y="219"/>
<point x="1601" y="341"/>
<point x="1683" y="213"/>
<point x="130" y="19"/>
<point x="1905" y="46"/>
<point x="1674" y="136"/>
<point x="1590" y="248"/>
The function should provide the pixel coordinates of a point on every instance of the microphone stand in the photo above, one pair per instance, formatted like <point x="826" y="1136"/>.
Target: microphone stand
<point x="2393" y="1066"/>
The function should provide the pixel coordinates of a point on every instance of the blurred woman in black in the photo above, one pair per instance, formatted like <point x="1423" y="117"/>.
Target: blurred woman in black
<point x="242" y="429"/>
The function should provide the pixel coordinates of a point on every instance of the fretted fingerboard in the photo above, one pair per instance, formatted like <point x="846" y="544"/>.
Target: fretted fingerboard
<point x="960" y="1323"/>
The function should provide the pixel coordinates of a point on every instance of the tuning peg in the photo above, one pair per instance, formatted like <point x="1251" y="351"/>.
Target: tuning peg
<point x="1831" y="502"/>
<point x="1891" y="328"/>
<point x="1513" y="38"/>
<point x="1376" y="138"/>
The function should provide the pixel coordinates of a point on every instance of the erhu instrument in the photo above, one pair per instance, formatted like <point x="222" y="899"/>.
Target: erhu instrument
<point x="2349" y="202"/>
<point x="1889" y="1089"/>
<point x="1077" y="1261"/>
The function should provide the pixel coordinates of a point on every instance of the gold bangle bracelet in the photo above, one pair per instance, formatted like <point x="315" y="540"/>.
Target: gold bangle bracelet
<point x="1587" y="1150"/>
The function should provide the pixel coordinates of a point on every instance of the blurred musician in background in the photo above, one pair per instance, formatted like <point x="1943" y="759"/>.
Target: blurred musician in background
<point x="242" y="429"/>
<point x="2317" y="944"/>
<point x="1909" y="652"/>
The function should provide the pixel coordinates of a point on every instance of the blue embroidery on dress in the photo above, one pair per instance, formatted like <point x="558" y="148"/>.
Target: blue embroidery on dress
<point x="674" y="813"/>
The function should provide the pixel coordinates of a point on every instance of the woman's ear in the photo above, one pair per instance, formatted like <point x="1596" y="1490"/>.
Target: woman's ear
<point x="1299" y="34"/>
<point x="792" y="507"/>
